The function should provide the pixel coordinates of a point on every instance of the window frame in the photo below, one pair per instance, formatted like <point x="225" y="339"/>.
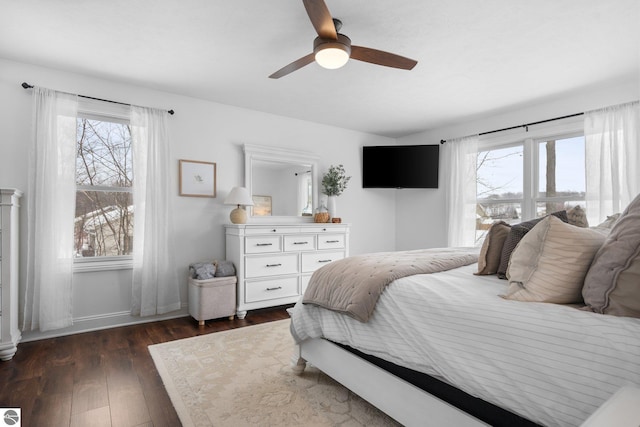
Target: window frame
<point x="529" y="138"/>
<point x="116" y="113"/>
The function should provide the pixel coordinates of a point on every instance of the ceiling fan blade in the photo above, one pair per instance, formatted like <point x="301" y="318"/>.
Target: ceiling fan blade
<point x="380" y="57"/>
<point x="295" y="65"/>
<point x="321" y="18"/>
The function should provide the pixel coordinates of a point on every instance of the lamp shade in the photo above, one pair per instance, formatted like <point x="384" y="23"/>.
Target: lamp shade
<point x="239" y="196"/>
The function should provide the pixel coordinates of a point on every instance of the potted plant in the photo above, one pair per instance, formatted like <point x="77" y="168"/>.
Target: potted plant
<point x="334" y="182"/>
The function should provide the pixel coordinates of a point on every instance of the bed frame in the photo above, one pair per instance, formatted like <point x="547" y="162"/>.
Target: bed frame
<point x="401" y="400"/>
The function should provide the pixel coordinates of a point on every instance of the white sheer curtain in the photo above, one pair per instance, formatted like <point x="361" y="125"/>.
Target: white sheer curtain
<point x="50" y="218"/>
<point x="612" y="157"/>
<point x="459" y="164"/>
<point x="155" y="280"/>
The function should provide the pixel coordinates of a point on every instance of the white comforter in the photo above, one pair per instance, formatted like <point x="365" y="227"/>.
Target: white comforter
<point x="551" y="364"/>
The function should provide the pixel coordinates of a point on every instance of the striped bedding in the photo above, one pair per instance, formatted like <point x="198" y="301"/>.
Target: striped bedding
<point x="549" y="363"/>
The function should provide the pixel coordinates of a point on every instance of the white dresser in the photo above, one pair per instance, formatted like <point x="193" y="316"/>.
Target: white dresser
<point x="274" y="263"/>
<point x="9" y="225"/>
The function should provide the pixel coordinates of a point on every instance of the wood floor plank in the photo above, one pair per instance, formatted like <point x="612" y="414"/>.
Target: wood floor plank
<point x="52" y="409"/>
<point x="161" y="409"/>
<point x="128" y="406"/>
<point x="98" y="417"/>
<point x="21" y="394"/>
<point x="103" y="378"/>
<point x="89" y="395"/>
<point x="59" y="379"/>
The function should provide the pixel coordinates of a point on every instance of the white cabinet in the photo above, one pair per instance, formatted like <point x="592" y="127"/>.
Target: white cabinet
<point x="9" y="214"/>
<point x="274" y="263"/>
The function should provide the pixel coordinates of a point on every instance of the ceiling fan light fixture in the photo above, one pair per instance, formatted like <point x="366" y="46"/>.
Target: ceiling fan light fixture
<point x="332" y="54"/>
<point x="332" y="50"/>
<point x="331" y="57"/>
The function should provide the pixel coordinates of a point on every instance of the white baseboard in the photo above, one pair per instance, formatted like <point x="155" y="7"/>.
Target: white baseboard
<point x="102" y="321"/>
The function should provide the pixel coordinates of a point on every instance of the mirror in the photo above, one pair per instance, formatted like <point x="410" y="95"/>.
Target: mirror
<point x="282" y="182"/>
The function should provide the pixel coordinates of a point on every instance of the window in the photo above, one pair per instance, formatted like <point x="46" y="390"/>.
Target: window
<point x="104" y="197"/>
<point x="528" y="179"/>
<point x="561" y="175"/>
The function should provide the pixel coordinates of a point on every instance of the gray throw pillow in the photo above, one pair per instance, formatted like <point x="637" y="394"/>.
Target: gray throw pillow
<point x="489" y="258"/>
<point x="515" y="235"/>
<point x="612" y="284"/>
<point x="578" y="217"/>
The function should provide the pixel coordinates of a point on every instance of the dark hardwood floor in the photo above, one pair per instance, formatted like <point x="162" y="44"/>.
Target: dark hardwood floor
<point x="103" y="378"/>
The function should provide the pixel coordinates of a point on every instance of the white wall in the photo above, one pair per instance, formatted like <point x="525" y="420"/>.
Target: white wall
<point x="420" y="214"/>
<point x="199" y="130"/>
<point x="381" y="219"/>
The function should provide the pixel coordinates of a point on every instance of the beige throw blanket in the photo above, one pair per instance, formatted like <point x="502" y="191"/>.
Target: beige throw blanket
<point x="353" y="285"/>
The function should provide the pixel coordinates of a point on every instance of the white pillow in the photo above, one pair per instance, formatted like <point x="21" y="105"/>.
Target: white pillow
<point x="606" y="226"/>
<point x="551" y="261"/>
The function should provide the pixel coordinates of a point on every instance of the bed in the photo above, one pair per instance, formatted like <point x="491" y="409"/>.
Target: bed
<point x="542" y="363"/>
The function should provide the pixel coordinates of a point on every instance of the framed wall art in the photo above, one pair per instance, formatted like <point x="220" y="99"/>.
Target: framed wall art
<point x="261" y="205"/>
<point x="197" y="179"/>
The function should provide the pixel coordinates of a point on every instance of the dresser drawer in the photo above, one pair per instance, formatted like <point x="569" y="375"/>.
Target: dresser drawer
<point x="269" y="230"/>
<point x="326" y="229"/>
<point x="301" y="242"/>
<point x="331" y="241"/>
<point x="258" y="266"/>
<point x="261" y="290"/>
<point x="262" y="244"/>
<point x="312" y="261"/>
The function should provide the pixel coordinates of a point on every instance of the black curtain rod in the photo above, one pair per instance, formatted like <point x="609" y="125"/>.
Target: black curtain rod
<point x="28" y="86"/>
<point x="526" y="126"/>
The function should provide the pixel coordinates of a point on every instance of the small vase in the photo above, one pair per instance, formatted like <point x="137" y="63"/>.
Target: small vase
<point x="321" y="214"/>
<point x="332" y="202"/>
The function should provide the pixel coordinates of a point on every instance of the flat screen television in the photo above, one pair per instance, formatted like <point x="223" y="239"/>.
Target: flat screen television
<point x="400" y="166"/>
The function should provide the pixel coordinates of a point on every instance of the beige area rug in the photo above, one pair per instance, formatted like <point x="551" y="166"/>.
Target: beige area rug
<point x="243" y="377"/>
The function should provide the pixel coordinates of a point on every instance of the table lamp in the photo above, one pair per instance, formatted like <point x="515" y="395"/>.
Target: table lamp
<point x="239" y="196"/>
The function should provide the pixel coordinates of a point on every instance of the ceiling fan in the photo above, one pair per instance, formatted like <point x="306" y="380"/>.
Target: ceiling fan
<point x="332" y="49"/>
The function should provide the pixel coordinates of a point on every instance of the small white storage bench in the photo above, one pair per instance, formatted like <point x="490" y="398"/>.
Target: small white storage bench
<point x="212" y="298"/>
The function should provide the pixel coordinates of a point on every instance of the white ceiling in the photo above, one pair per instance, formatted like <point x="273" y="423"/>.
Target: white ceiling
<point x="474" y="57"/>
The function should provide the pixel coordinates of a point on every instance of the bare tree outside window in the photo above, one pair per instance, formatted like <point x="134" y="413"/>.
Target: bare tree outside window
<point x="561" y="181"/>
<point x="551" y="174"/>
<point x="499" y="187"/>
<point x="104" y="198"/>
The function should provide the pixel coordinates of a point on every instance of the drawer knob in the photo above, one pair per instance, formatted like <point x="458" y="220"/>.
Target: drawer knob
<point x="332" y="241"/>
<point x="264" y="244"/>
<point x="274" y="289"/>
<point x="274" y="265"/>
<point x="300" y="243"/>
<point x="324" y="260"/>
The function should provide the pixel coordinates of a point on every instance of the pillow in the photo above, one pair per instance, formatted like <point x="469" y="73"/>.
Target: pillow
<point x="515" y="235"/>
<point x="606" y="226"/>
<point x="225" y="268"/>
<point x="624" y="299"/>
<point x="489" y="258"/>
<point x="612" y="285"/>
<point x="578" y="217"/>
<point x="550" y="262"/>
